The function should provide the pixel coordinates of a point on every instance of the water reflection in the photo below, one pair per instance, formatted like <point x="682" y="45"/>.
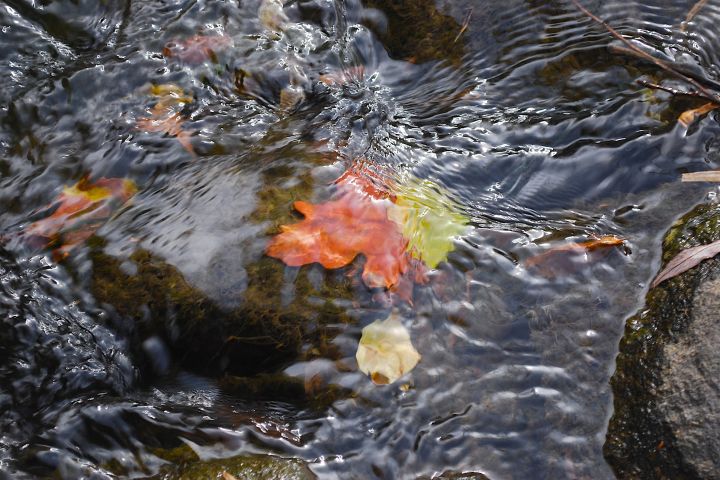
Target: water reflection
<point x="533" y="128"/>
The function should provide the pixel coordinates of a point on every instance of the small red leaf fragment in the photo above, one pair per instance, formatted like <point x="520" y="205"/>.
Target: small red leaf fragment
<point x="685" y="260"/>
<point x="198" y="48"/>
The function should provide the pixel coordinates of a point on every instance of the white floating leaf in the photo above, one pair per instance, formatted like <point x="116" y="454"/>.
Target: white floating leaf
<point x="385" y="351"/>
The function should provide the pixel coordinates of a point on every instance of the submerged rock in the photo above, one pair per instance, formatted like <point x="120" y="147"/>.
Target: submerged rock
<point x="187" y="466"/>
<point x="666" y="422"/>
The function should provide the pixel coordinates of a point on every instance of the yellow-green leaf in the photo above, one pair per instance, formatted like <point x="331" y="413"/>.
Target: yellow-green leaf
<point x="429" y="218"/>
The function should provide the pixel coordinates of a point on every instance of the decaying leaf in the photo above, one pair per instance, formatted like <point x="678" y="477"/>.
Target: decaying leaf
<point x="710" y="176"/>
<point x="685" y="260"/>
<point x="335" y="232"/>
<point x="559" y="259"/>
<point x="81" y="210"/>
<point x="385" y="351"/>
<point x="429" y="219"/>
<point x="198" y="48"/>
<point x="272" y="16"/>
<point x="689" y="116"/>
<point x="228" y="476"/>
<point x="163" y="116"/>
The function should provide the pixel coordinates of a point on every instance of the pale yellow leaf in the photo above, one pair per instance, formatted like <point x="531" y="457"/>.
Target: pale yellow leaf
<point x="385" y="352"/>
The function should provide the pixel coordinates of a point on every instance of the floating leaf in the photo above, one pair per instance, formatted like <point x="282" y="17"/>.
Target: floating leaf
<point x="685" y="260"/>
<point x="81" y="210"/>
<point x="385" y="351"/>
<point x="335" y="232"/>
<point x="689" y="116"/>
<point x="198" y="48"/>
<point x="710" y="176"/>
<point x="429" y="219"/>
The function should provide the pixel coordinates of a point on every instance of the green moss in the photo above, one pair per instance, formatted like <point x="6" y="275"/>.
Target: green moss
<point x="418" y="32"/>
<point x="255" y="467"/>
<point x="638" y="444"/>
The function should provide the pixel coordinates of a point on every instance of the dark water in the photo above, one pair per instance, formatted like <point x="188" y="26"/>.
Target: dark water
<point x="535" y="129"/>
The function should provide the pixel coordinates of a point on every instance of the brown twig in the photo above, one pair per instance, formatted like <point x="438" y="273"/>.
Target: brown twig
<point x="631" y="53"/>
<point x="695" y="10"/>
<point x="710" y="96"/>
<point x="464" y="27"/>
<point x="672" y="91"/>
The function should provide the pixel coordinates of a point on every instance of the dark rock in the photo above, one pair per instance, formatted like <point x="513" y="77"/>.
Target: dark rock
<point x="666" y="421"/>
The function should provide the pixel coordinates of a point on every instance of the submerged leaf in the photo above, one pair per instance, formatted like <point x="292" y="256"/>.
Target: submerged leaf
<point x="559" y="259"/>
<point x="335" y="232"/>
<point x="163" y="116"/>
<point x="385" y="351"/>
<point x="198" y="48"/>
<point x="81" y="209"/>
<point x="689" y="116"/>
<point x="429" y="219"/>
<point x="685" y="260"/>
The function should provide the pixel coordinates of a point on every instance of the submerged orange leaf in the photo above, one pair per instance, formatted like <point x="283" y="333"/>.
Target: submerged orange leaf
<point x="81" y="209"/>
<point x="335" y="232"/>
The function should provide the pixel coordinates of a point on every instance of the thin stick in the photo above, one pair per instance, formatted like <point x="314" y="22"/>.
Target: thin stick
<point x="672" y="91"/>
<point x="631" y="53"/>
<point x="464" y="26"/>
<point x="695" y="10"/>
<point x="711" y="96"/>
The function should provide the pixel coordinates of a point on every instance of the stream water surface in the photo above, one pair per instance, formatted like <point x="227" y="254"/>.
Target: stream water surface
<point x="517" y="109"/>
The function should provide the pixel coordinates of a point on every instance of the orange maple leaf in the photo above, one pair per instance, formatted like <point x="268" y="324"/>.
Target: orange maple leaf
<point x="335" y="232"/>
<point x="81" y="209"/>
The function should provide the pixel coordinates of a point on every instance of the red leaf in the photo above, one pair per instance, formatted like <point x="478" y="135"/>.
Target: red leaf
<point x="335" y="232"/>
<point x="81" y="210"/>
<point x="685" y="260"/>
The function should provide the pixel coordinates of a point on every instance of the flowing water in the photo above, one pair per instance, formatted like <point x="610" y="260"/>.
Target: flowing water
<point x="517" y="109"/>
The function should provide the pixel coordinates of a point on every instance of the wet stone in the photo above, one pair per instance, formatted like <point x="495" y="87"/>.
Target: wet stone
<point x="666" y="422"/>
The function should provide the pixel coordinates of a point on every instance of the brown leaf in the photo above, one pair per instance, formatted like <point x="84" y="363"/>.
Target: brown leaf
<point x="559" y="259"/>
<point x="685" y="260"/>
<point x="170" y="124"/>
<point x="689" y="116"/>
<point x="711" y="176"/>
<point x="228" y="476"/>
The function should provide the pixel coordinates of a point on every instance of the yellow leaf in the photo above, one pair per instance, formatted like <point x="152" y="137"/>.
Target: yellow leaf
<point x="385" y="352"/>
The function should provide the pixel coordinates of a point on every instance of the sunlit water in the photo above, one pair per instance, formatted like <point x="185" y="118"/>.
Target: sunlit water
<point x="537" y="132"/>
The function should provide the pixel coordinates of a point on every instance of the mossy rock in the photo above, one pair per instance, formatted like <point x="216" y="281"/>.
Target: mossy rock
<point x="268" y="330"/>
<point x="418" y="32"/>
<point x="640" y="441"/>
<point x="186" y="466"/>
